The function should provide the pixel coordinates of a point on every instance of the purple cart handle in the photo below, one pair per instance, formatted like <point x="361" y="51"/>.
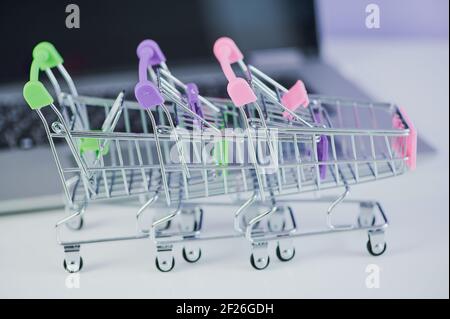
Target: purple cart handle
<point x="322" y="149"/>
<point x="156" y="56"/>
<point x="193" y="100"/>
<point x="322" y="155"/>
<point x="146" y="92"/>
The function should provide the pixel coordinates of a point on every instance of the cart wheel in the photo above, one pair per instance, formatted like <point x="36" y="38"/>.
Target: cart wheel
<point x="192" y="255"/>
<point x="73" y="268"/>
<point x="260" y="263"/>
<point x="277" y="228"/>
<point x="189" y="229"/>
<point x="168" y="225"/>
<point x="165" y="226"/>
<point x="286" y="254"/>
<point x="76" y="224"/>
<point x="246" y="220"/>
<point x="377" y="250"/>
<point x="365" y="222"/>
<point x="165" y="266"/>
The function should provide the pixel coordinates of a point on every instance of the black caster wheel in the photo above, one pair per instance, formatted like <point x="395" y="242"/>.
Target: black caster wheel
<point x="363" y="224"/>
<point x="165" y="267"/>
<point x="76" y="225"/>
<point x="81" y="224"/>
<point x="273" y="229"/>
<point x="261" y="263"/>
<point x="378" y="251"/>
<point x="190" y="229"/>
<point x="165" y="226"/>
<point x="196" y="226"/>
<point x="73" y="268"/>
<point x="285" y="255"/>
<point x="192" y="256"/>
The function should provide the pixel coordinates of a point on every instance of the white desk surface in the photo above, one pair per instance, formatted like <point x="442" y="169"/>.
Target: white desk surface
<point x="416" y="264"/>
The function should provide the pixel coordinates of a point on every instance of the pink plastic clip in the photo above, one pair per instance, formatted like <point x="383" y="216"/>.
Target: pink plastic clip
<point x="409" y="147"/>
<point x="238" y="89"/>
<point x="294" y="98"/>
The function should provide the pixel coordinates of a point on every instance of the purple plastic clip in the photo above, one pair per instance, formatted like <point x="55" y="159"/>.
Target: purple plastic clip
<point x="147" y="94"/>
<point x="151" y="48"/>
<point x="322" y="149"/>
<point x="192" y="97"/>
<point x="322" y="154"/>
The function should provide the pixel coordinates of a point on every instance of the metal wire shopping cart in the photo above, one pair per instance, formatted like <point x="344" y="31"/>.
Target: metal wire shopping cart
<point x="130" y="154"/>
<point x="265" y="147"/>
<point x="322" y="142"/>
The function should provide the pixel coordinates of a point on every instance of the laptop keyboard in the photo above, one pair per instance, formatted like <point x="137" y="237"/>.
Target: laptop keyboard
<point x="22" y="128"/>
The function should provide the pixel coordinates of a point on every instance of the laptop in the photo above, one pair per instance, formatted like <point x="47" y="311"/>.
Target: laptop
<point x="278" y="36"/>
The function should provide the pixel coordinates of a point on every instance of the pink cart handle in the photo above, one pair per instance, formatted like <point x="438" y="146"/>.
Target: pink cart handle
<point x="294" y="98"/>
<point x="411" y="142"/>
<point x="227" y="53"/>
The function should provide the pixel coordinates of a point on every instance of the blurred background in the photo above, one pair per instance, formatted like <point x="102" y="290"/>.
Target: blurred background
<point x="399" y="19"/>
<point x="110" y="31"/>
<point x="325" y="43"/>
<point x="186" y="30"/>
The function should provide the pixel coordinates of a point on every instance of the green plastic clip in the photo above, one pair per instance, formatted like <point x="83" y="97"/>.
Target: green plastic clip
<point x="91" y="144"/>
<point x="36" y="95"/>
<point x="44" y="56"/>
<point x="221" y="153"/>
<point x="47" y="56"/>
<point x="221" y="150"/>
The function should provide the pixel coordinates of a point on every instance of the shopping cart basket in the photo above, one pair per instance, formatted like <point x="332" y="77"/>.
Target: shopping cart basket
<point x="130" y="154"/>
<point x="137" y="151"/>
<point x="322" y="143"/>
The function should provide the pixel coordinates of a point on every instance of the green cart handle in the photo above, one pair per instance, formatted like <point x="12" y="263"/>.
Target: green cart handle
<point x="221" y="148"/>
<point x="90" y="144"/>
<point x="45" y="56"/>
<point x="221" y="153"/>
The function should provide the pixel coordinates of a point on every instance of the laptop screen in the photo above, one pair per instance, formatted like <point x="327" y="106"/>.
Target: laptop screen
<point x="110" y="30"/>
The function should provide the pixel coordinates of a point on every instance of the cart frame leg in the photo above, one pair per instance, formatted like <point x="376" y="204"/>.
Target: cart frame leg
<point x="277" y="221"/>
<point x="76" y="222"/>
<point x="366" y="217"/>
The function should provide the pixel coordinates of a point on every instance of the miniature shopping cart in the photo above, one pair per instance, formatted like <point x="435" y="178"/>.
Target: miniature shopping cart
<point x="129" y="155"/>
<point x="322" y="143"/>
<point x="154" y="149"/>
